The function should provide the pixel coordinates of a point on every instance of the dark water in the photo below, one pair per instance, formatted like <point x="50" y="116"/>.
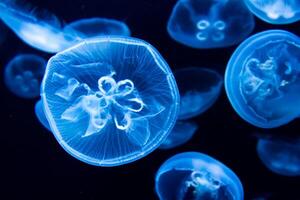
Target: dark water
<point x="34" y="166"/>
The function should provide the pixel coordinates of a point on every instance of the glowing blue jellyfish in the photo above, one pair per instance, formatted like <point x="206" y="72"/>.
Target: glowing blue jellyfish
<point x="40" y="114"/>
<point x="262" y="77"/>
<point x="196" y="176"/>
<point x="40" y="30"/>
<point x="95" y="27"/>
<point x="210" y="23"/>
<point x="199" y="89"/>
<point x="182" y="132"/>
<point x="23" y="75"/>
<point x="280" y="156"/>
<point x="110" y="100"/>
<point x="275" y="11"/>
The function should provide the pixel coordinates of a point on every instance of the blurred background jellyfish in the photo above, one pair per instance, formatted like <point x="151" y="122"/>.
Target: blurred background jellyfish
<point x="275" y="11"/>
<point x="40" y="114"/>
<point x="95" y="27"/>
<point x="182" y="132"/>
<point x="281" y="156"/>
<point x="195" y="176"/>
<point x="23" y="75"/>
<point x="111" y="100"/>
<point x="262" y="79"/>
<point x="199" y="89"/>
<point x="210" y="23"/>
<point x="39" y="30"/>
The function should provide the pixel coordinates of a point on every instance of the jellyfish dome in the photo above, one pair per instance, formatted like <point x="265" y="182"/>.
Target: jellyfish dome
<point x="23" y="75"/>
<point x="40" y="114"/>
<point x="39" y="30"/>
<point x="210" y="23"/>
<point x="275" y="11"/>
<point x="262" y="76"/>
<point x="195" y="176"/>
<point x="182" y="132"/>
<point x="110" y="100"/>
<point x="199" y="89"/>
<point x="280" y="156"/>
<point x="95" y="27"/>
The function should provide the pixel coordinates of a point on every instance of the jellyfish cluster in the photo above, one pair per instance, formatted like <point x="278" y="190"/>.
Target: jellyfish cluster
<point x="110" y="99"/>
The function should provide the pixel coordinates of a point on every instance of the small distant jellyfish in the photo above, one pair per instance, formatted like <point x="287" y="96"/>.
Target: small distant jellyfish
<point x="280" y="156"/>
<point x="199" y="89"/>
<point x="196" y="176"/>
<point x="23" y="75"/>
<point x="210" y="23"/>
<point x="95" y="27"/>
<point x="275" y="11"/>
<point x="40" y="114"/>
<point x="262" y="78"/>
<point x="42" y="31"/>
<point x="110" y="100"/>
<point x="182" y="132"/>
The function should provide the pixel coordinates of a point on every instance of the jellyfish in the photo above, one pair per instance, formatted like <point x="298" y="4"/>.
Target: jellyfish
<point x="23" y="75"/>
<point x="182" y="132"/>
<point x="199" y="89"/>
<point x="40" y="114"/>
<point x="210" y="23"/>
<point x="40" y="30"/>
<point x="110" y="100"/>
<point x="196" y="176"/>
<point x="95" y="27"/>
<point x="275" y="11"/>
<point x="262" y="78"/>
<point x="280" y="156"/>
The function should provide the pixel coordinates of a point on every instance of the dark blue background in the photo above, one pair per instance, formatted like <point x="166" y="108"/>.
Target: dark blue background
<point x="34" y="166"/>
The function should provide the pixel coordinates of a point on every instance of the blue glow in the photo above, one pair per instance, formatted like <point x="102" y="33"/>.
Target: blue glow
<point x="110" y="100"/>
<point x="210" y="23"/>
<point x="194" y="176"/>
<point x="40" y="114"/>
<point x="43" y="33"/>
<point x="275" y="11"/>
<point x="23" y="75"/>
<point x="200" y="92"/>
<point x="95" y="27"/>
<point x="262" y="76"/>
<point x="182" y="132"/>
<point x="280" y="156"/>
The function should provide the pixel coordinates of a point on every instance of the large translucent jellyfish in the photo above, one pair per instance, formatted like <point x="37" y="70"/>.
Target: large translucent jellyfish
<point x="275" y="11"/>
<point x="40" y="114"/>
<point x="280" y="156"/>
<point x="23" y="75"/>
<point x="110" y="100"/>
<point x="199" y="89"/>
<point x="182" y="132"/>
<point x="40" y="30"/>
<point x="262" y="78"/>
<point x="95" y="27"/>
<point x="210" y="23"/>
<point x="196" y="176"/>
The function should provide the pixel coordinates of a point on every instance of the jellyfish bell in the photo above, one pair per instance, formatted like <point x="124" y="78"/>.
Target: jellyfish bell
<point x="199" y="89"/>
<point x="193" y="175"/>
<point x="275" y="11"/>
<point x="40" y="114"/>
<point x="262" y="76"/>
<point x="110" y="100"/>
<point x="182" y="132"/>
<point x="39" y="30"/>
<point x="210" y="23"/>
<point x="95" y="27"/>
<point x="23" y="75"/>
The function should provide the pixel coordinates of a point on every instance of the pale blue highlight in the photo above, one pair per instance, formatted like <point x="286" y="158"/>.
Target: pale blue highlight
<point x="110" y="100"/>
<point x="40" y="114"/>
<point x="209" y="23"/>
<point x="194" y="176"/>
